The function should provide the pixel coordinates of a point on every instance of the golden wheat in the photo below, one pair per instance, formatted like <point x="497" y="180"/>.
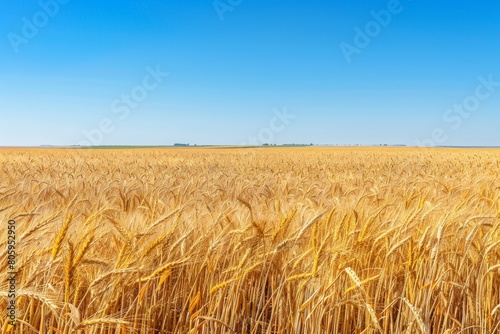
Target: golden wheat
<point x="264" y="240"/>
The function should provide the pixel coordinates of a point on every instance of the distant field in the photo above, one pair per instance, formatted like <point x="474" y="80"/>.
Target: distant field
<point x="257" y="240"/>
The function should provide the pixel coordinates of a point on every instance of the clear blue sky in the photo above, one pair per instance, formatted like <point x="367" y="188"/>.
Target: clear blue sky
<point x="232" y="64"/>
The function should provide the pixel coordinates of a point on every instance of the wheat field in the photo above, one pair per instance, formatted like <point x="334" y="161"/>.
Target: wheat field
<point x="265" y="240"/>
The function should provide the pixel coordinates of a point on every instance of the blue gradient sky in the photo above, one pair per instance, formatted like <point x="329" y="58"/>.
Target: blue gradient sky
<point x="227" y="76"/>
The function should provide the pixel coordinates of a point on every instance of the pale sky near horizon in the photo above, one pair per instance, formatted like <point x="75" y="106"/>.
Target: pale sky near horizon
<point x="249" y="71"/>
